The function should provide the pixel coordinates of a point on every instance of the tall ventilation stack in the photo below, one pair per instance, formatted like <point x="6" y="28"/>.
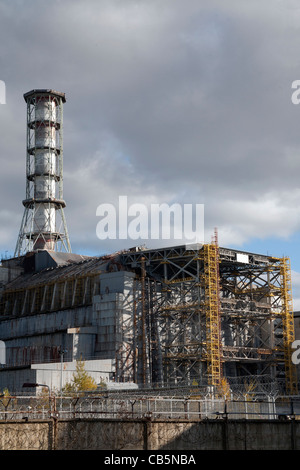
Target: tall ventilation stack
<point x="43" y="225"/>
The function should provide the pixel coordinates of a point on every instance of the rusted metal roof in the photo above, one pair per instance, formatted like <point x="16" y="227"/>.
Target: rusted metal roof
<point x="87" y="267"/>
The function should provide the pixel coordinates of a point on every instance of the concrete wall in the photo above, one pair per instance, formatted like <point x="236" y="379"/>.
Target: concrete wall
<point x="113" y="315"/>
<point x="93" y="434"/>
<point x="37" y="338"/>
<point x="52" y="375"/>
<point x="102" y="330"/>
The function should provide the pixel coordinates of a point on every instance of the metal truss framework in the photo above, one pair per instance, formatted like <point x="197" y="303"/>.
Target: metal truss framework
<point x="208" y="312"/>
<point x="188" y="315"/>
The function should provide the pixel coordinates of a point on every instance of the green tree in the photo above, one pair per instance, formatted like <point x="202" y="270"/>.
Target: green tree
<point x="81" y="381"/>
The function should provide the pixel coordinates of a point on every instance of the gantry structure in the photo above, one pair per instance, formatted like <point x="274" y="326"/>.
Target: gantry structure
<point x="208" y="313"/>
<point x="188" y="314"/>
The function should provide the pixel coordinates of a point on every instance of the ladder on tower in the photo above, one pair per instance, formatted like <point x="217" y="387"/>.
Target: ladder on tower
<point x="288" y="328"/>
<point x="212" y="312"/>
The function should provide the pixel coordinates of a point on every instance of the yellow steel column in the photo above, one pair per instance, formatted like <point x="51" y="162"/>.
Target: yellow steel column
<point x="288" y="326"/>
<point x="212" y="310"/>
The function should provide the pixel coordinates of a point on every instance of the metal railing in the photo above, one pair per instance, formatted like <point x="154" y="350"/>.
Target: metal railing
<point x="41" y="408"/>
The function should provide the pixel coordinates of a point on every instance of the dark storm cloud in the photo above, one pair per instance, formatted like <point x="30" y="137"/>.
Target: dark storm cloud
<point x="166" y="100"/>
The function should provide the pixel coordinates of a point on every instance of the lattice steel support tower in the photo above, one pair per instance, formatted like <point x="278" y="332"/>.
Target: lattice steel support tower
<point x="43" y="225"/>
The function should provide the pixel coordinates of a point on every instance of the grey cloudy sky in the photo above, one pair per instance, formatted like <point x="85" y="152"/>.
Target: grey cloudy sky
<point x="167" y="101"/>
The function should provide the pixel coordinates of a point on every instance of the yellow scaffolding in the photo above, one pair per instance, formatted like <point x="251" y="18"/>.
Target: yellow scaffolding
<point x="288" y="326"/>
<point x="212" y="312"/>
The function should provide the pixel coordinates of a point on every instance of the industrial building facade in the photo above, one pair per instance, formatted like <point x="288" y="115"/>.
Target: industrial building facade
<point x="178" y="315"/>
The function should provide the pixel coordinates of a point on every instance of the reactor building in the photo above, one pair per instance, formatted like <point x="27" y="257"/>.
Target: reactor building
<point x="180" y="315"/>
